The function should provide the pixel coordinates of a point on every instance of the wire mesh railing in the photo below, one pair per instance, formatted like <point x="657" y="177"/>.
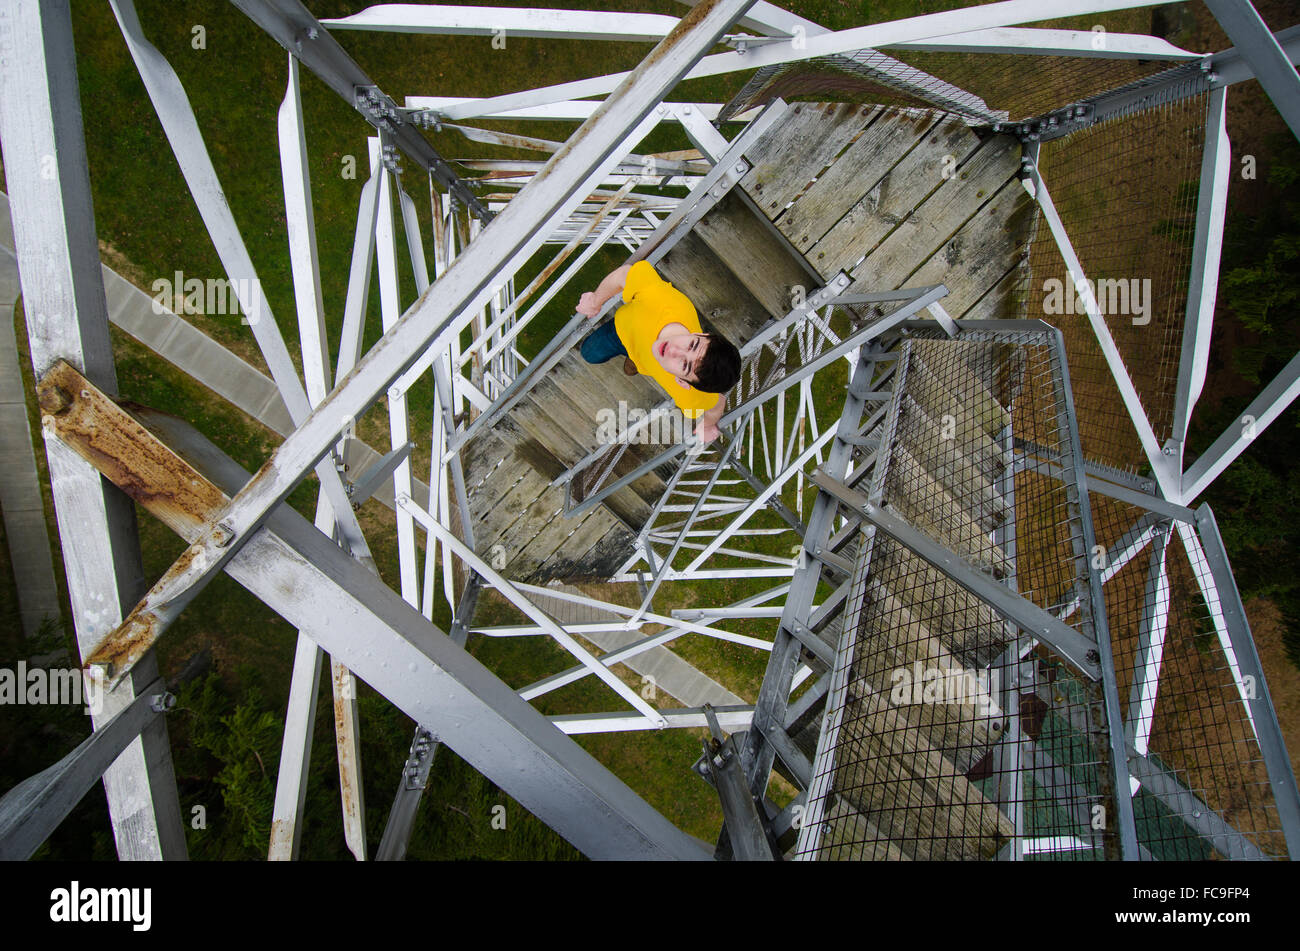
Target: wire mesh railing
<point x="950" y="733"/>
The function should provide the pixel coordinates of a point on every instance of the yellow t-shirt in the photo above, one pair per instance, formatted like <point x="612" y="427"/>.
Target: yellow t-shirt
<point x="652" y="304"/>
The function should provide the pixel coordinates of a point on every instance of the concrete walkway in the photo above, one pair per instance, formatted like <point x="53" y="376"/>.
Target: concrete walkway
<point x="20" y="488"/>
<point x="669" y="672"/>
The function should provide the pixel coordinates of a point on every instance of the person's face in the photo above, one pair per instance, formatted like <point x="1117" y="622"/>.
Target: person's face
<point x="681" y="354"/>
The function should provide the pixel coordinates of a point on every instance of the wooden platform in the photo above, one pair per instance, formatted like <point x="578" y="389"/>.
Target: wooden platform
<point x="896" y="197"/>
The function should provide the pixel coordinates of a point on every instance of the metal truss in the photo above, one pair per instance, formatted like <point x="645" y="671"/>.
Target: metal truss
<point x="725" y="511"/>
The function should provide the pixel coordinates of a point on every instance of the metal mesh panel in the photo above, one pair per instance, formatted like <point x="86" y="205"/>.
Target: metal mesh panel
<point x="1205" y="792"/>
<point x="950" y="735"/>
<point x="984" y="87"/>
<point x="1126" y="193"/>
<point x="1025" y="85"/>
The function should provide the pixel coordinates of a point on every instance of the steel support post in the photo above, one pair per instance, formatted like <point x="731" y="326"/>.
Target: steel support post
<point x="1267" y="60"/>
<point x="312" y="583"/>
<point x="1272" y="401"/>
<point x="67" y="319"/>
<point x="1096" y="622"/>
<point x="1264" y="717"/>
<point x="744" y="830"/>
<point x="1203" y="289"/>
<point x="291" y="25"/>
<point x="507" y="241"/>
<point x="1161" y="465"/>
<point x="1150" y="648"/>
<point x="295" y="751"/>
<point x="774" y="694"/>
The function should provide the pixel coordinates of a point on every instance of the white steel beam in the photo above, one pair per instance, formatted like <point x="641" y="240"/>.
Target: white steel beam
<point x="1215" y="606"/>
<point x="1268" y="61"/>
<point x="575" y="110"/>
<point x="1141" y="712"/>
<point x="1271" y="403"/>
<point x="1207" y="249"/>
<point x="508" y="22"/>
<point x="732" y="719"/>
<point x="67" y="319"/>
<point x="1083" y="43"/>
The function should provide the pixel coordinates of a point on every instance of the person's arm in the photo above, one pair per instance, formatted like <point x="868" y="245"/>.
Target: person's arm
<point x="706" y="425"/>
<point x="590" y="303"/>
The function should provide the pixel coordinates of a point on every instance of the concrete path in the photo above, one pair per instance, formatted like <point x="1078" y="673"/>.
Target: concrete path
<point x="20" y="488"/>
<point x="671" y="674"/>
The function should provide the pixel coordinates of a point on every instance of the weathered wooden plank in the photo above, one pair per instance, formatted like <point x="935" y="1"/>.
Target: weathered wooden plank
<point x="961" y="378"/>
<point x="893" y="198"/>
<point x="757" y="257"/>
<point x="968" y="628"/>
<point x="535" y="449"/>
<point x="930" y="508"/>
<point x="910" y="792"/>
<point x="802" y="145"/>
<point x="495" y="470"/>
<point x="718" y="294"/>
<point x="977" y="256"/>
<point x="563" y="539"/>
<point x="492" y="527"/>
<point x="541" y="512"/>
<point x="848" y="837"/>
<point x="599" y="562"/>
<point x="1005" y="300"/>
<point x="958" y="197"/>
<point x="854" y="174"/>
<point x="584" y="431"/>
<point x="945" y="461"/>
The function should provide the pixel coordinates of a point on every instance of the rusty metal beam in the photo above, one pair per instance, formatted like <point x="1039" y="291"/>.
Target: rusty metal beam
<point x="311" y="582"/>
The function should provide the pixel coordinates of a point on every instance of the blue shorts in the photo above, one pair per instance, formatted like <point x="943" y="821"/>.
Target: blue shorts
<point x="603" y="345"/>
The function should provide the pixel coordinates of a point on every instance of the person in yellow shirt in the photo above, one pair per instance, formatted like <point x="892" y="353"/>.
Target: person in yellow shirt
<point x="658" y="333"/>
